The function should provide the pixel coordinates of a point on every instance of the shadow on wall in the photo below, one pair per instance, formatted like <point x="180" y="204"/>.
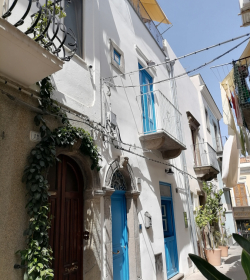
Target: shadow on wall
<point x="111" y="32"/>
<point x="92" y="247"/>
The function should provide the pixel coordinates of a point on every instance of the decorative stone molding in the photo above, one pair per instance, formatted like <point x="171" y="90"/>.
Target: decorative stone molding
<point x="193" y="123"/>
<point x="121" y="164"/>
<point x="169" y="146"/>
<point x="132" y="194"/>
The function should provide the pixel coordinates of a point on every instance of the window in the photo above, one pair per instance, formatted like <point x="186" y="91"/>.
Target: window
<point x="74" y="21"/>
<point x="207" y="120"/>
<point x="147" y="101"/>
<point x="117" y="57"/>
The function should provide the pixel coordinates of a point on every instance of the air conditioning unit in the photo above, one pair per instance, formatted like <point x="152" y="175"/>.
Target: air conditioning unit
<point x="245" y="12"/>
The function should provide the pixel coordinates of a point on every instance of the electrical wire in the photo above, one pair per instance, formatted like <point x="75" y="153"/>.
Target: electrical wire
<point x="180" y="57"/>
<point x="180" y="75"/>
<point x="89" y="122"/>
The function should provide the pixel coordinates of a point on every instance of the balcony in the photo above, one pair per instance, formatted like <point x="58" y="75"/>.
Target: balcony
<point x="206" y="164"/>
<point x="241" y="212"/>
<point x="148" y="19"/>
<point x="245" y="12"/>
<point x="32" y="48"/>
<point x="161" y="125"/>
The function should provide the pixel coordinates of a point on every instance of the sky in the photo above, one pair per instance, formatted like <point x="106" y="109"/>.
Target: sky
<point x="198" y="24"/>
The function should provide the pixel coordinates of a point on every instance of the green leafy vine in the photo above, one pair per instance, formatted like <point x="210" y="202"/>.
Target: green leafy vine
<point x="37" y="255"/>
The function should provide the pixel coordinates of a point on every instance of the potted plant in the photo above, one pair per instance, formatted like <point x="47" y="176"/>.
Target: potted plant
<point x="207" y="216"/>
<point x="211" y="273"/>
<point x="223" y="240"/>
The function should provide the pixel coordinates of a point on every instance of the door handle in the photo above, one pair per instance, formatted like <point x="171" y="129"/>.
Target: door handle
<point x="118" y="252"/>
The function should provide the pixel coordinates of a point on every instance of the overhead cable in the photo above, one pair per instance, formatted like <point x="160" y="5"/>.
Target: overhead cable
<point x="180" y="75"/>
<point x="89" y="122"/>
<point x="180" y="57"/>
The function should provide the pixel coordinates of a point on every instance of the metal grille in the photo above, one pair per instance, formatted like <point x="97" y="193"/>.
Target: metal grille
<point x="205" y="155"/>
<point x="46" y="27"/>
<point x="242" y="85"/>
<point x="118" y="183"/>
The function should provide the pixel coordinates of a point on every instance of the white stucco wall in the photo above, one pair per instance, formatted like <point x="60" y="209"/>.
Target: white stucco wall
<point x="81" y="89"/>
<point x="120" y="23"/>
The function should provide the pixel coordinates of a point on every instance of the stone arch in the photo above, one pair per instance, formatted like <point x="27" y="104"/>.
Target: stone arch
<point x="92" y="263"/>
<point x="122" y="165"/>
<point x="91" y="177"/>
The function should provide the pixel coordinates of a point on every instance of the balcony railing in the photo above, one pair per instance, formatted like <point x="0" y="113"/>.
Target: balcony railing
<point x="146" y="19"/>
<point x="205" y="155"/>
<point x="159" y="114"/>
<point x="44" y="25"/>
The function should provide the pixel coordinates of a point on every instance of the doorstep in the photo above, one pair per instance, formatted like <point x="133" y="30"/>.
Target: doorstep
<point x="178" y="276"/>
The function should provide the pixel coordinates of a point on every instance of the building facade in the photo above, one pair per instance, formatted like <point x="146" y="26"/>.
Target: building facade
<point x="240" y="198"/>
<point x="214" y="140"/>
<point x="134" y="219"/>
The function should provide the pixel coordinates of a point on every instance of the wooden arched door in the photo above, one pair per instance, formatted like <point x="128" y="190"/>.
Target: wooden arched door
<point x="66" y="232"/>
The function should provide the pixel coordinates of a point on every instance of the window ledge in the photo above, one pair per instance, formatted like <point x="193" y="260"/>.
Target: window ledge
<point x="76" y="56"/>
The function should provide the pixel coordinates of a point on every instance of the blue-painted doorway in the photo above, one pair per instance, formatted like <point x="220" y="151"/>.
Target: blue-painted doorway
<point x="168" y="225"/>
<point x="119" y="236"/>
<point x="147" y="102"/>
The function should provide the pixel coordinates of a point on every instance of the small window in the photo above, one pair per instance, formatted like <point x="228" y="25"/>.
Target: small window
<point x="207" y="120"/>
<point x="117" y="57"/>
<point x="74" y="21"/>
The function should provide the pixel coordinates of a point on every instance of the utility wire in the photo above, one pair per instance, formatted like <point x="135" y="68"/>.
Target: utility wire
<point x="180" y="57"/>
<point x="180" y="75"/>
<point x="88" y="122"/>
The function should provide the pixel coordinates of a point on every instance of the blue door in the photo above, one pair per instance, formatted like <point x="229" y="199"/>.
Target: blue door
<point x="147" y="102"/>
<point x="119" y="236"/>
<point x="169" y="234"/>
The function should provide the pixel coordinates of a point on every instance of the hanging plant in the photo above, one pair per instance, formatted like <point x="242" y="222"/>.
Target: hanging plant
<point x="37" y="256"/>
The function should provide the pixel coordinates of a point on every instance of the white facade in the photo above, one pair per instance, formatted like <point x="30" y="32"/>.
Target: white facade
<point x="214" y="138"/>
<point x="82" y="86"/>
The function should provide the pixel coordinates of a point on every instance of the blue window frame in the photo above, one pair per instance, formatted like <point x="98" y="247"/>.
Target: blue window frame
<point x="147" y="102"/>
<point x="117" y="57"/>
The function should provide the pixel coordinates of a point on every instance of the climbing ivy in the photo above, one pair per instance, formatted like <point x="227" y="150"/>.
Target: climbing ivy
<point x="37" y="255"/>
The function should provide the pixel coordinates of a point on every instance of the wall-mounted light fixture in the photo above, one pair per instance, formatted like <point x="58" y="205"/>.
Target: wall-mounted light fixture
<point x="169" y="171"/>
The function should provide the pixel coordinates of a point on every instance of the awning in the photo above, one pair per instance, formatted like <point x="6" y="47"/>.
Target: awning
<point x="228" y="82"/>
<point x="154" y="11"/>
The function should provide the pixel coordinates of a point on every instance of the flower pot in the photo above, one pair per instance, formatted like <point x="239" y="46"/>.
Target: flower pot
<point x="213" y="256"/>
<point x="224" y="251"/>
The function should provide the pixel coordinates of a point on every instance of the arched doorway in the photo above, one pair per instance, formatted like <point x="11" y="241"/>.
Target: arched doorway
<point x="65" y="235"/>
<point x="119" y="228"/>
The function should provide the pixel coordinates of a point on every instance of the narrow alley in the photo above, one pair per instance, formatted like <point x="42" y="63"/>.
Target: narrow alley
<point x="230" y="266"/>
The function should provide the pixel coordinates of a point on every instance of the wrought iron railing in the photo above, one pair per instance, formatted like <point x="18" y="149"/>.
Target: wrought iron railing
<point x="205" y="155"/>
<point x="219" y="143"/>
<point x="146" y="19"/>
<point x="159" y="114"/>
<point x="46" y="26"/>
